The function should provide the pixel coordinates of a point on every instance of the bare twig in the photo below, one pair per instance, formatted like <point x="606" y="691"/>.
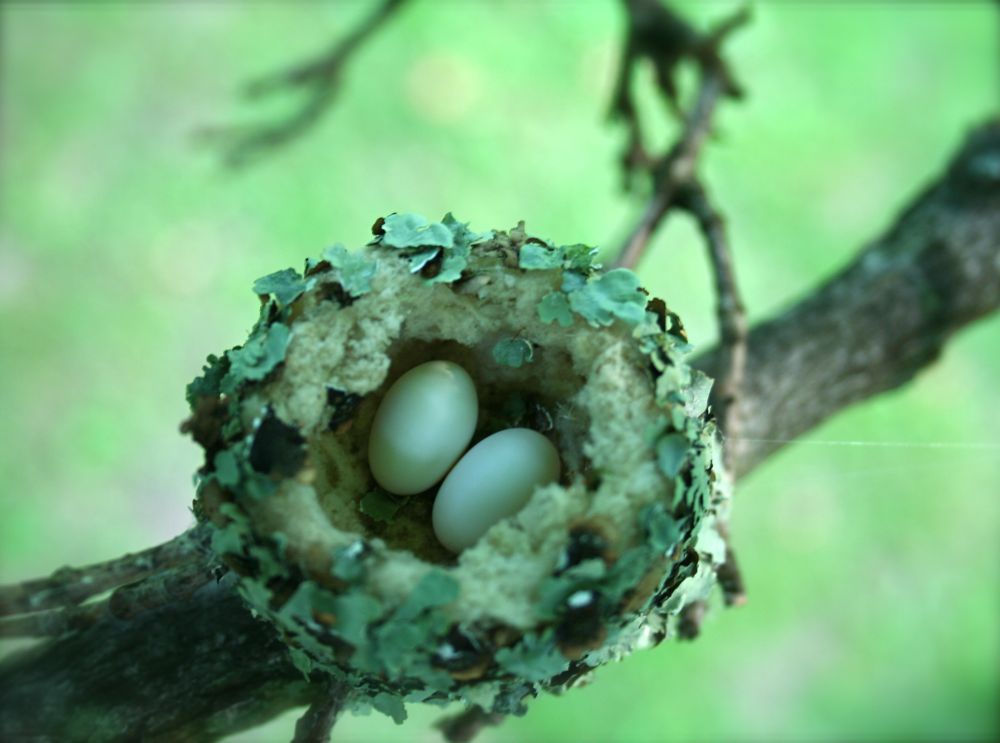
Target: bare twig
<point x="691" y="618"/>
<point x="661" y="35"/>
<point x="654" y="32"/>
<point x="674" y="171"/>
<point x="664" y="37"/>
<point x="68" y="586"/>
<point x="729" y="309"/>
<point x="318" y="78"/>
<point x="48" y="607"/>
<point x="466" y="725"/>
<point x="315" y="725"/>
<point x="730" y="577"/>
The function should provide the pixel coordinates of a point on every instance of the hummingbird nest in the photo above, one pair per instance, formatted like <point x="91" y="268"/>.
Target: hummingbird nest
<point x="353" y="579"/>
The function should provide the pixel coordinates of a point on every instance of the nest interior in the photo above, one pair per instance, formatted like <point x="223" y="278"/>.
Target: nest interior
<point x="588" y="389"/>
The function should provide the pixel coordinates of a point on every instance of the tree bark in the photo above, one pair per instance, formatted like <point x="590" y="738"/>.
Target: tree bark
<point x="203" y="668"/>
<point x="194" y="670"/>
<point x="882" y="319"/>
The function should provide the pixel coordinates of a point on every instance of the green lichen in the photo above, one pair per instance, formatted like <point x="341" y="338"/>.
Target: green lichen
<point x="353" y="270"/>
<point x="610" y="296"/>
<point x="513" y="352"/>
<point x="448" y="243"/>
<point x="286" y="286"/>
<point x="209" y="384"/>
<point x="543" y="256"/>
<point x="257" y="358"/>
<point x="405" y="231"/>
<point x="535" y="658"/>
<point x="381" y="505"/>
<point x="554" y="307"/>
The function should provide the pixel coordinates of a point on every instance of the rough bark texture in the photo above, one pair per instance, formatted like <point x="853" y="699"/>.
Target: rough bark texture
<point x="886" y="316"/>
<point x="191" y="671"/>
<point x="198" y="669"/>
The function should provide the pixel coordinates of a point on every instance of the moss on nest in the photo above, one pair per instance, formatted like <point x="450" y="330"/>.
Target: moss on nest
<point x="353" y="577"/>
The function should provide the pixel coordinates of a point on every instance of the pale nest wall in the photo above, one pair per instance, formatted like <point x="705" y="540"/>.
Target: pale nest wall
<point x="596" y="382"/>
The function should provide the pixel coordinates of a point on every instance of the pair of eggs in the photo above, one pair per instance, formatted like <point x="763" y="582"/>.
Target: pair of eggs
<point x="421" y="429"/>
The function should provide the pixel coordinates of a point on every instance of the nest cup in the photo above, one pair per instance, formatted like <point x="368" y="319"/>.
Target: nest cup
<point x="352" y="577"/>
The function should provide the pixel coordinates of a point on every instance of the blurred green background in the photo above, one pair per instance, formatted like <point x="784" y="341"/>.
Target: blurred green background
<point x="127" y="253"/>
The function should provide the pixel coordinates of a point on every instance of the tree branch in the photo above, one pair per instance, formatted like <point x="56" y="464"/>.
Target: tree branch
<point x="663" y="36"/>
<point x="882" y="319"/>
<point x="318" y="78"/>
<point x="200" y="668"/>
<point x="53" y="623"/>
<point x="465" y="726"/>
<point x="317" y="722"/>
<point x="657" y="32"/>
<point x="68" y="586"/>
<point x="732" y="356"/>
<point x="193" y="670"/>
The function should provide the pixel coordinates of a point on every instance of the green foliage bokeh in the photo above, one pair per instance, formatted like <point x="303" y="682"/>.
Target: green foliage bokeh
<point x="127" y="255"/>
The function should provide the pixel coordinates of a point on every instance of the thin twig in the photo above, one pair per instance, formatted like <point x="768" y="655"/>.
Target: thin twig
<point x="465" y="726"/>
<point x="663" y="36"/>
<point x="68" y="586"/>
<point x="676" y="170"/>
<point x="318" y="79"/>
<point x="734" y="591"/>
<point x="730" y="312"/>
<point x="316" y="723"/>
<point x="54" y="623"/>
<point x="691" y="618"/>
<point x="166" y="583"/>
<point x="666" y="39"/>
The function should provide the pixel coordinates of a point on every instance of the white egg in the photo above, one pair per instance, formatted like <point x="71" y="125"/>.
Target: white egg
<point x="422" y="425"/>
<point x="495" y="479"/>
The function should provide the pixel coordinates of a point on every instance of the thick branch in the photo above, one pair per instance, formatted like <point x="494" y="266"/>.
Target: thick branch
<point x="192" y="671"/>
<point x="53" y="623"/>
<point x="885" y="317"/>
<point x="196" y="669"/>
